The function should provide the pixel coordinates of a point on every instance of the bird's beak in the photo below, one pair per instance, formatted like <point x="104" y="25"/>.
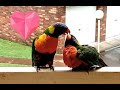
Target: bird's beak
<point x="65" y="36"/>
<point x="67" y="31"/>
<point x="68" y="36"/>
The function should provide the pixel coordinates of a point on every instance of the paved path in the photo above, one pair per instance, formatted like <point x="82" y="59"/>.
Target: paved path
<point x="111" y="57"/>
<point x="110" y="51"/>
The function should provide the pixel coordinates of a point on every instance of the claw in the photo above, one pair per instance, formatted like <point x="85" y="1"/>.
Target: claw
<point x="37" y="68"/>
<point x="51" y="68"/>
<point x="94" y="67"/>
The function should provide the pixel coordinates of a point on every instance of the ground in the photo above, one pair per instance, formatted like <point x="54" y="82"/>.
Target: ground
<point x="111" y="57"/>
<point x="26" y="61"/>
<point x="15" y="60"/>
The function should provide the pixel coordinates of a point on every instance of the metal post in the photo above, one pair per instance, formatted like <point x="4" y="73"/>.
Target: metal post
<point x="98" y="36"/>
<point x="99" y="15"/>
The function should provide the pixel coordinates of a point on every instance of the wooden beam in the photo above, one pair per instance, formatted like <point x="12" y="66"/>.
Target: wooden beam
<point x="57" y="69"/>
<point x="61" y="75"/>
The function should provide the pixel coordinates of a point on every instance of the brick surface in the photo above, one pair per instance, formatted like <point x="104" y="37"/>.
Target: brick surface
<point x="48" y="15"/>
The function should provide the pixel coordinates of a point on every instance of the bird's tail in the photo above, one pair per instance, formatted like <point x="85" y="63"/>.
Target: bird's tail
<point x="33" y="47"/>
<point x="99" y="64"/>
<point x="102" y="62"/>
<point x="33" y="51"/>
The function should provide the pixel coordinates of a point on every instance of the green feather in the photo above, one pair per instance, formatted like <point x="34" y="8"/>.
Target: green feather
<point x="88" y="54"/>
<point x="47" y="31"/>
<point x="50" y="31"/>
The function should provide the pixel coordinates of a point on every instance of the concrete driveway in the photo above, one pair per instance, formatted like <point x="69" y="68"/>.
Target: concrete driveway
<point x="110" y="51"/>
<point x="111" y="56"/>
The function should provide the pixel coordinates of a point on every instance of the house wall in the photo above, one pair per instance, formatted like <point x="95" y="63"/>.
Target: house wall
<point x="113" y="22"/>
<point x="83" y="24"/>
<point x="48" y="15"/>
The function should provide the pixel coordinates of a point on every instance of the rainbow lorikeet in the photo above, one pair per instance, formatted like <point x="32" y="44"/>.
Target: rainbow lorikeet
<point x="45" y="45"/>
<point x="81" y="57"/>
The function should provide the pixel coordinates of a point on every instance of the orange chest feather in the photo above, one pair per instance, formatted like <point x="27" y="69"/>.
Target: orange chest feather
<point x="69" y="57"/>
<point x="46" y="44"/>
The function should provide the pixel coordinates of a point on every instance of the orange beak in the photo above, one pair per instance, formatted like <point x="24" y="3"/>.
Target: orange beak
<point x="68" y="36"/>
<point x="67" y="31"/>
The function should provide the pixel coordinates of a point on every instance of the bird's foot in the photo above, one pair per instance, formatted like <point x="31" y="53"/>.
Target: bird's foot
<point x="51" y="68"/>
<point x="94" y="67"/>
<point x="43" y="67"/>
<point x="37" y="69"/>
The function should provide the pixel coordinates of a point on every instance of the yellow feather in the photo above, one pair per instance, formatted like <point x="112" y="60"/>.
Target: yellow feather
<point x="40" y="40"/>
<point x="43" y="36"/>
<point x="51" y="29"/>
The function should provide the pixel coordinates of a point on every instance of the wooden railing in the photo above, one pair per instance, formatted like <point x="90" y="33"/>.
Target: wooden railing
<point x="61" y="75"/>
